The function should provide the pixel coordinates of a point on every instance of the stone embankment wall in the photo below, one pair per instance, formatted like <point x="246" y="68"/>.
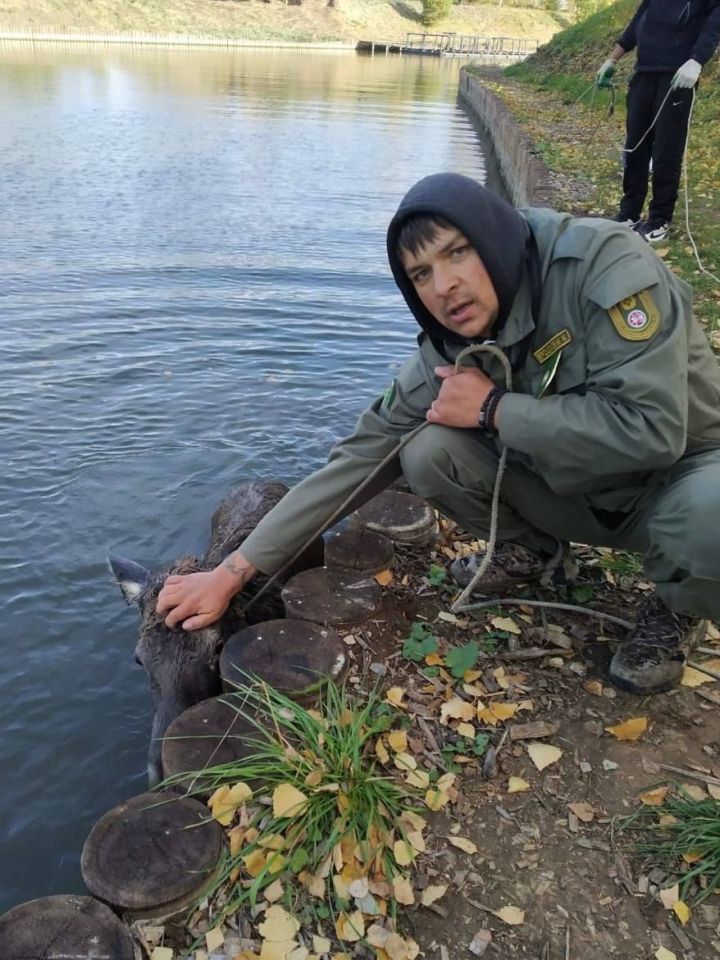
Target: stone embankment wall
<point x="527" y="179"/>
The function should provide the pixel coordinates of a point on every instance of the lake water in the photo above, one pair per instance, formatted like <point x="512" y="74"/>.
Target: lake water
<point x="194" y="292"/>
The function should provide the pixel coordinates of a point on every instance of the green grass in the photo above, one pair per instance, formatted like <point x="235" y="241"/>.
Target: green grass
<point x="328" y="754"/>
<point x="694" y="830"/>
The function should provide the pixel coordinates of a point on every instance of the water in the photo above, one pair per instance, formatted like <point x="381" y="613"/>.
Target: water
<point x="194" y="292"/>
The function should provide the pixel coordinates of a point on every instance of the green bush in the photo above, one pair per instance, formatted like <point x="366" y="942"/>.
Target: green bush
<point x="434" y="10"/>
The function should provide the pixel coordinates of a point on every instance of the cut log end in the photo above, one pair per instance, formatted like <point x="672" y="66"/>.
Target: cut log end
<point x="64" y="926"/>
<point x="359" y="549"/>
<point x="295" y="657"/>
<point x="331" y="596"/>
<point x="402" y="517"/>
<point x="143" y="858"/>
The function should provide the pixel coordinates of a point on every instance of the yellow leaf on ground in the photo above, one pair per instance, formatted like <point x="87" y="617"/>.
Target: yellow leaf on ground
<point x="431" y="894"/>
<point x="456" y="709"/>
<point x="397" y="740"/>
<point x="273" y="891"/>
<point x="162" y="953"/>
<point x="277" y="949"/>
<point x="402" y="888"/>
<point x="496" y="713"/>
<point x="694" y="678"/>
<point x="544" y="754"/>
<point x="436" y="799"/>
<point x="278" y="924"/>
<point x="511" y="915"/>
<point x="466" y="730"/>
<point x="404" y="853"/>
<point x="381" y="751"/>
<point x="694" y="791"/>
<point x="214" y="939"/>
<point x="594" y="687"/>
<point x="462" y="843"/>
<point x="405" y="761"/>
<point x="654" y="798"/>
<point x="288" y="801"/>
<point x="412" y="821"/>
<point x="350" y="927"/>
<point x="398" y="948"/>
<point x="384" y="578"/>
<point x="662" y="953"/>
<point x="395" y="697"/>
<point x="681" y="911"/>
<point x="505" y="623"/>
<point x="321" y="944"/>
<point x="517" y="785"/>
<point x="631" y="729"/>
<point x="670" y="896"/>
<point x="418" y="778"/>
<point x="255" y="862"/>
<point x="692" y="857"/>
<point x="416" y="841"/>
<point x="583" y="811"/>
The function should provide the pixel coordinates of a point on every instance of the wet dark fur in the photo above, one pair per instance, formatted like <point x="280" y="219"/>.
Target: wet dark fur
<point x="183" y="665"/>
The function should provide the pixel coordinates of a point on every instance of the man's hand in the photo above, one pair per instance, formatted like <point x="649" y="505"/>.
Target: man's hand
<point x="199" y="599"/>
<point x="460" y="398"/>
<point x="607" y="70"/>
<point x="687" y="76"/>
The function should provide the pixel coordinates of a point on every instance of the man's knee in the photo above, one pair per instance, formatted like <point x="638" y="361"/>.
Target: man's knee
<point x="686" y="530"/>
<point x="440" y="457"/>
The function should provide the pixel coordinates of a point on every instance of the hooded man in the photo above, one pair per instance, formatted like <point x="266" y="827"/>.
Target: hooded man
<point x="674" y="40"/>
<point x="612" y="425"/>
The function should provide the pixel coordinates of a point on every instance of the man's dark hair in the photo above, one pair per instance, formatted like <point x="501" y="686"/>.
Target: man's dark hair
<point x="419" y="230"/>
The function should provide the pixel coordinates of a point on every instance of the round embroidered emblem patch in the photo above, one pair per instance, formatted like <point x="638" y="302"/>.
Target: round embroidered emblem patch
<point x="637" y="319"/>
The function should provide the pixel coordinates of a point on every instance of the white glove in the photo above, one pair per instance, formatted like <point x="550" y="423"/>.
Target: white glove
<point x="687" y="75"/>
<point x="607" y="69"/>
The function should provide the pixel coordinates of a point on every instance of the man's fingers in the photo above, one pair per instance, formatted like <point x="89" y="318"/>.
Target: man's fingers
<point x="445" y="372"/>
<point x="197" y="622"/>
<point x="180" y="612"/>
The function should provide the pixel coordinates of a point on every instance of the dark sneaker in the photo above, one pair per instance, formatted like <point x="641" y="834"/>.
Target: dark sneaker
<point x="652" y="658"/>
<point x="654" y="230"/>
<point x="628" y="221"/>
<point x="513" y="565"/>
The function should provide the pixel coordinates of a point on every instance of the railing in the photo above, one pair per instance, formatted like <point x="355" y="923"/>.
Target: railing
<point x="461" y="45"/>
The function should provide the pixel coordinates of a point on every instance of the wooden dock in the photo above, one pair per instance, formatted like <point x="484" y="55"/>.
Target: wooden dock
<point x="453" y="45"/>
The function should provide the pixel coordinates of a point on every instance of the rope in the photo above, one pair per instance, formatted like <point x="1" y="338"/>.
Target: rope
<point x="700" y="264"/>
<point x="495" y="504"/>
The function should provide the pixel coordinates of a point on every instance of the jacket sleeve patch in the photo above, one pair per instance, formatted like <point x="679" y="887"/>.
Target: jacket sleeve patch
<point x="636" y="317"/>
<point x="389" y="395"/>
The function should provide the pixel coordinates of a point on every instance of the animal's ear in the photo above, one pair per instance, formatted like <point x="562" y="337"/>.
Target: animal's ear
<point x="132" y="577"/>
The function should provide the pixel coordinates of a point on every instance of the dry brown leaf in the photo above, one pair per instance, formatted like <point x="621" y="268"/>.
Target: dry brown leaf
<point x="543" y="754"/>
<point x="594" y="687"/>
<point x="288" y="801"/>
<point x="431" y="894"/>
<point x="513" y="916"/>
<point x="384" y="578"/>
<point x="402" y="888"/>
<point x="670" y="896"/>
<point x="462" y="843"/>
<point x="654" y="798"/>
<point x="631" y="729"/>
<point x="583" y="811"/>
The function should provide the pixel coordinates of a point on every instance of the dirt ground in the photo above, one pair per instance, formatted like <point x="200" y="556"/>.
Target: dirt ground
<point x="585" y="893"/>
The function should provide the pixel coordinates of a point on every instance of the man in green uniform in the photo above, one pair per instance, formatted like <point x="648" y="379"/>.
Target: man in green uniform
<point x="612" y="424"/>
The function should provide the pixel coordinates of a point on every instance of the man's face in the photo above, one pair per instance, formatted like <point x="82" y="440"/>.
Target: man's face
<point x="453" y="284"/>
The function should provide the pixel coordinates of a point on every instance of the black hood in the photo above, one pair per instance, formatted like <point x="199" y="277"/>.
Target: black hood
<point x="496" y="230"/>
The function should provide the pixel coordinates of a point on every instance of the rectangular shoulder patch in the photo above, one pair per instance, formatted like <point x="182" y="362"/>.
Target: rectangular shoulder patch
<point x="389" y="395"/>
<point x="636" y="317"/>
<point x="560" y="340"/>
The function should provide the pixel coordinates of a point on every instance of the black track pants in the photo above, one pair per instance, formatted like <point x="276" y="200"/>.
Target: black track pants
<point x="665" y="144"/>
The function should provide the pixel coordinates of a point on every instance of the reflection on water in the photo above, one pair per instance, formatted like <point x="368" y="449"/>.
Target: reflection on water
<point x="194" y="292"/>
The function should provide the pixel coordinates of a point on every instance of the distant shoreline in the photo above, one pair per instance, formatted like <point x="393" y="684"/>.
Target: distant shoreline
<point x="53" y="35"/>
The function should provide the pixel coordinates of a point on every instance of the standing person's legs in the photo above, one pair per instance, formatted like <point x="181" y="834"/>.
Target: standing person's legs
<point x="668" y="148"/>
<point x="639" y="146"/>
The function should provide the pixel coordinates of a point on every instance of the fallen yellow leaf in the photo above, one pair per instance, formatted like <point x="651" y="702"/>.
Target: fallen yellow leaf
<point x="456" y="709"/>
<point x="321" y="944"/>
<point x="583" y="811"/>
<point x="669" y="896"/>
<point x="397" y="740"/>
<point x="214" y="939"/>
<point x="694" y="678"/>
<point x="350" y="927"/>
<point x="436" y="799"/>
<point x="404" y="853"/>
<point x="517" y="785"/>
<point x="273" y="891"/>
<point x="255" y="862"/>
<point x="384" y="578"/>
<point x="505" y="623"/>
<point x="434" y="660"/>
<point x="278" y="924"/>
<point x="402" y="888"/>
<point x="431" y="894"/>
<point x="692" y="857"/>
<point x="654" y="798"/>
<point x="418" y="778"/>
<point x="466" y="730"/>
<point x="277" y="949"/>
<point x="663" y="954"/>
<point x="162" y="953"/>
<point x="681" y="911"/>
<point x="395" y="696"/>
<point x="511" y="915"/>
<point x="594" y="687"/>
<point x="543" y="754"/>
<point x="288" y="801"/>
<point x="381" y="751"/>
<point x="462" y="843"/>
<point x="631" y="729"/>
